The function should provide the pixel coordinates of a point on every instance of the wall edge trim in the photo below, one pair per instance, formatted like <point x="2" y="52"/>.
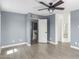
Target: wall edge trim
<point x="74" y="47"/>
<point x="52" y="42"/>
<point x="12" y="45"/>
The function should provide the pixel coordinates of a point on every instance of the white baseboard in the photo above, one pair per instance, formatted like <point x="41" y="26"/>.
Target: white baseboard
<point x="65" y="41"/>
<point x="12" y="45"/>
<point x="42" y="42"/>
<point x="0" y="50"/>
<point x="52" y="42"/>
<point x="75" y="47"/>
<point x="28" y="44"/>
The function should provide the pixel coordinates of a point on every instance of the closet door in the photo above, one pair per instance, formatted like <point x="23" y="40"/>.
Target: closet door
<point x="42" y="28"/>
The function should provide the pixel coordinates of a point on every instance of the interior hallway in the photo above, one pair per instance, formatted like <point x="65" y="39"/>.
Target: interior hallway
<point x="40" y="51"/>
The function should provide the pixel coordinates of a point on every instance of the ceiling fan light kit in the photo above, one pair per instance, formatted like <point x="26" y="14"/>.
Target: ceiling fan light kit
<point x="51" y="7"/>
<point x="50" y="11"/>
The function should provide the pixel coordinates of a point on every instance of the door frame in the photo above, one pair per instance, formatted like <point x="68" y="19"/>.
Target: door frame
<point x="32" y="29"/>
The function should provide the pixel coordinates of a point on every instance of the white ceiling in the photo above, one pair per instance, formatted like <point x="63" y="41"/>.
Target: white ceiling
<point x="26" y="6"/>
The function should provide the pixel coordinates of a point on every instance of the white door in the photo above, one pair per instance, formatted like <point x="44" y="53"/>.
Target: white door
<point x="42" y="28"/>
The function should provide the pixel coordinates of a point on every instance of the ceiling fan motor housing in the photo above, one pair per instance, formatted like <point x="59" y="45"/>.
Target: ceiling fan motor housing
<point x="50" y="4"/>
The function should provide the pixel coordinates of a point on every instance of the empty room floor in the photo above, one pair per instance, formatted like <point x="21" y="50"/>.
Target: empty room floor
<point x="40" y="51"/>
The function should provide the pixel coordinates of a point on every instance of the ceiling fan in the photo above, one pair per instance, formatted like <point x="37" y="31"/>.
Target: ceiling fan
<point x="51" y="7"/>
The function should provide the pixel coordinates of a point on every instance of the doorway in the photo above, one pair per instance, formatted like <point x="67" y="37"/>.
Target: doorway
<point x="34" y="39"/>
<point x="39" y="31"/>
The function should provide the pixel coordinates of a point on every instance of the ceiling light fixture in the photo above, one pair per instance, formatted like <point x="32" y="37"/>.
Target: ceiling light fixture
<point x="50" y="10"/>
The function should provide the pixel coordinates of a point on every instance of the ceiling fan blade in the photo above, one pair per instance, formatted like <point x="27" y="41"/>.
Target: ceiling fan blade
<point x="58" y="3"/>
<point x="59" y="8"/>
<point x="42" y="9"/>
<point x="44" y="4"/>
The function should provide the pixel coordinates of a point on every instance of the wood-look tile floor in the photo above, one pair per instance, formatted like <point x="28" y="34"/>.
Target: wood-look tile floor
<point x="40" y="51"/>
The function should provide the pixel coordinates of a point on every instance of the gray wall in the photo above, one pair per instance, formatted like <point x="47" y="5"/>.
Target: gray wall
<point x="28" y="27"/>
<point x="16" y="28"/>
<point x="51" y="28"/>
<point x="13" y="28"/>
<point x="0" y="28"/>
<point x="75" y="28"/>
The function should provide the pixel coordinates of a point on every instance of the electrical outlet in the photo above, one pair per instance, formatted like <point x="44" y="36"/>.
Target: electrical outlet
<point x="75" y="43"/>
